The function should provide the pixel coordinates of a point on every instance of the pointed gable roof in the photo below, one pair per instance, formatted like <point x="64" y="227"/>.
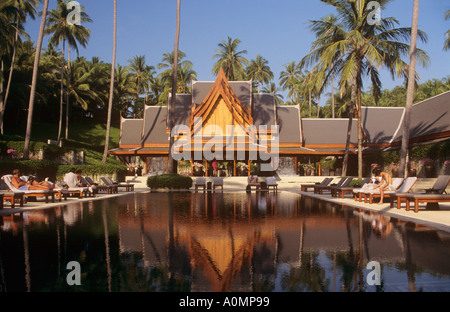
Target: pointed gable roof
<point x="221" y="88"/>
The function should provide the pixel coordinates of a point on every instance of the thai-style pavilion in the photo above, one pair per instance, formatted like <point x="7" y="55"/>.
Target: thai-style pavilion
<point x="226" y="121"/>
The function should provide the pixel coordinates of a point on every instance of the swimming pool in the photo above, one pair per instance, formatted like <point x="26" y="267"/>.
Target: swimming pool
<point x="185" y="241"/>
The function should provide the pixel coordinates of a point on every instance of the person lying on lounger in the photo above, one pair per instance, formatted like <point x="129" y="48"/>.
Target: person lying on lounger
<point x="31" y="185"/>
<point x="385" y="182"/>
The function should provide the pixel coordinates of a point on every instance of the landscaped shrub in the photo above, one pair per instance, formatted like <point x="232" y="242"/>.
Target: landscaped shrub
<point x="172" y="181"/>
<point x="40" y="168"/>
<point x="93" y="170"/>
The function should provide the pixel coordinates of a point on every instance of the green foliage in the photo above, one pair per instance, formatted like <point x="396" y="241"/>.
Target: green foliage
<point x="172" y="181"/>
<point x="92" y="170"/>
<point x="39" y="168"/>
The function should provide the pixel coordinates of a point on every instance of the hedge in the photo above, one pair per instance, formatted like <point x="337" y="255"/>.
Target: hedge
<point x="55" y="172"/>
<point x="171" y="181"/>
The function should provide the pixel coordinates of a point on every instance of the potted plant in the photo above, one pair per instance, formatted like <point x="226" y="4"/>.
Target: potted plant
<point x="309" y="169"/>
<point x="412" y="169"/>
<point x="393" y="167"/>
<point x="447" y="166"/>
<point x="428" y="167"/>
<point x="242" y="168"/>
<point x="198" y="169"/>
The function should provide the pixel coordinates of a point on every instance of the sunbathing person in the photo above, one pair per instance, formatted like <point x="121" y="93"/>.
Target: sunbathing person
<point x="31" y="185"/>
<point x="385" y="183"/>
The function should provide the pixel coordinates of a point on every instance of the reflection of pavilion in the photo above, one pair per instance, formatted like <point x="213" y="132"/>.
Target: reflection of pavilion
<point x="222" y="243"/>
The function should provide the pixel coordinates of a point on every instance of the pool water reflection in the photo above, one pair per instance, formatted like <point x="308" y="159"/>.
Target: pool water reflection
<point x="218" y="242"/>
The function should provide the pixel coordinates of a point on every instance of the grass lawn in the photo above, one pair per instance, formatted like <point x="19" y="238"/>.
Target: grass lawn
<point x="89" y="137"/>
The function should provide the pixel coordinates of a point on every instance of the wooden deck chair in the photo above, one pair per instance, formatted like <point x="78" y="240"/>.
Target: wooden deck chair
<point x="305" y="187"/>
<point x="396" y="183"/>
<point x="127" y="186"/>
<point x="29" y="193"/>
<point x="108" y="189"/>
<point x="431" y="196"/>
<point x="200" y="183"/>
<point x="318" y="189"/>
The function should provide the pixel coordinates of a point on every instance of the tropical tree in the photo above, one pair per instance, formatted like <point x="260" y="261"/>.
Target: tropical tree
<point x="289" y="79"/>
<point x="6" y="44"/>
<point x="447" y="34"/>
<point x="410" y="94"/>
<point x="24" y="8"/>
<point x="273" y="89"/>
<point x="230" y="59"/>
<point x="361" y="49"/>
<point x="26" y="149"/>
<point x="111" y="86"/>
<point x="185" y="75"/>
<point x="143" y="74"/>
<point x="259" y="71"/>
<point x="62" y="30"/>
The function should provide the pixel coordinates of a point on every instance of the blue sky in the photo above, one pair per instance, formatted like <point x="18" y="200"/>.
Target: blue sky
<point x="277" y="30"/>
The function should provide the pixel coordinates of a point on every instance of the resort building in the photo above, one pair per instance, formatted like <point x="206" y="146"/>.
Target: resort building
<point x="225" y="121"/>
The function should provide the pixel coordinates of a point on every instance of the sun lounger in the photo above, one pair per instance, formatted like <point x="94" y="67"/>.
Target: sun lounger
<point x="107" y="188"/>
<point x="341" y="191"/>
<point x="217" y="182"/>
<point x="13" y="197"/>
<point x="334" y="188"/>
<point x="319" y="189"/>
<point x="272" y="182"/>
<point x="431" y="196"/>
<point x="91" y="187"/>
<point x="396" y="183"/>
<point x="200" y="182"/>
<point x="30" y="193"/>
<point x="128" y="186"/>
<point x="253" y="181"/>
<point x="305" y="187"/>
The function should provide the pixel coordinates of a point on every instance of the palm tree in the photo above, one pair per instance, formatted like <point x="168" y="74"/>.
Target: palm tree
<point x="63" y="31"/>
<point x="289" y="79"/>
<point x="26" y="149"/>
<point x="143" y="74"/>
<point x="230" y="59"/>
<point x="171" y="167"/>
<point x="6" y="44"/>
<point x="447" y="34"/>
<point x="23" y="9"/>
<point x="259" y="71"/>
<point x="272" y="88"/>
<point x="111" y="86"/>
<point x="410" y="93"/>
<point x="360" y="50"/>
<point x="185" y="74"/>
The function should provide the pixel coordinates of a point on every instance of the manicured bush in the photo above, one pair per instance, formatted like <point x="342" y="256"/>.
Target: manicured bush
<point x="93" y="170"/>
<point x="39" y="168"/>
<point x="171" y="181"/>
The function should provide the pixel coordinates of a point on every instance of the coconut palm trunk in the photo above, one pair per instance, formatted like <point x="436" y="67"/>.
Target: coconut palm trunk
<point x="410" y="91"/>
<point x="61" y="100"/>
<point x="171" y="167"/>
<point x="11" y="70"/>
<point x="349" y="128"/>
<point x="111" y="86"/>
<point x="67" y="92"/>
<point x="26" y="149"/>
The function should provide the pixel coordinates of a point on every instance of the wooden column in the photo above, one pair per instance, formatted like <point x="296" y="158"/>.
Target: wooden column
<point x="234" y="167"/>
